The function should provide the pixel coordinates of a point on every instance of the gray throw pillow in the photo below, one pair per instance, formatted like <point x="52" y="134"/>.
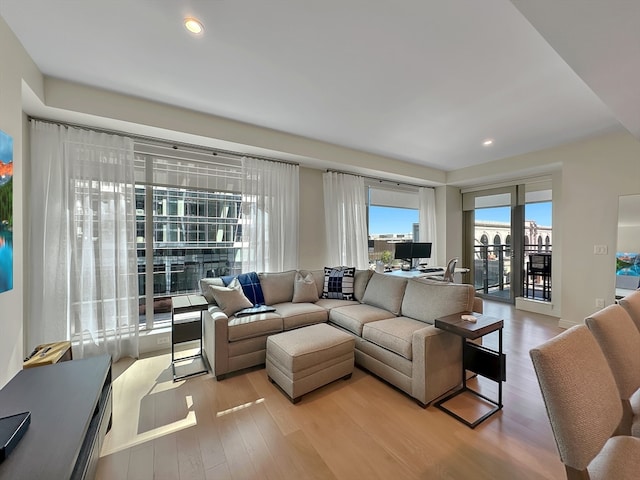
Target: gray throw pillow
<point x="230" y="299"/>
<point x="305" y="289"/>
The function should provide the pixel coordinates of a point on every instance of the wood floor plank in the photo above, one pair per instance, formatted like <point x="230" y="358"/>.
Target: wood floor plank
<point x="114" y="465"/>
<point x="165" y="460"/>
<point x="293" y="453"/>
<point x="141" y="465"/>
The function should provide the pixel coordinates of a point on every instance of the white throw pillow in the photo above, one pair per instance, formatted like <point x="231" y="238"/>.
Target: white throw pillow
<point x="305" y="289"/>
<point x="230" y="299"/>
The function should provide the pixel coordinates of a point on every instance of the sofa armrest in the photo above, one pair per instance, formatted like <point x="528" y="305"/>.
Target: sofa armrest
<point x="437" y="363"/>
<point x="216" y="340"/>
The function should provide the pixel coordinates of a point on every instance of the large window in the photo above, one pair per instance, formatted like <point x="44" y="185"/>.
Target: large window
<point x="195" y="225"/>
<point x="393" y="218"/>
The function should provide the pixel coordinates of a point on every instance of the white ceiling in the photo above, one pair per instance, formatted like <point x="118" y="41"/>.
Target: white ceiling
<point x="415" y="80"/>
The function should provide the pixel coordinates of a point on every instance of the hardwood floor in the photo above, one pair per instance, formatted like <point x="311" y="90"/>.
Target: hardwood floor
<point x="245" y="428"/>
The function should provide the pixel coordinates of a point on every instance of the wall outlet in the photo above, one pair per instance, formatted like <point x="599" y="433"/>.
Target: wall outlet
<point x="164" y="340"/>
<point x="600" y="250"/>
<point x="599" y="302"/>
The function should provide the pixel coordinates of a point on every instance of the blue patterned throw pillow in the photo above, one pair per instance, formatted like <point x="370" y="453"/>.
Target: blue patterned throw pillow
<point x="338" y="283"/>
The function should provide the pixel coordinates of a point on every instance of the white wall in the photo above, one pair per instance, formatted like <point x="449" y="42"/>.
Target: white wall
<point x="16" y="65"/>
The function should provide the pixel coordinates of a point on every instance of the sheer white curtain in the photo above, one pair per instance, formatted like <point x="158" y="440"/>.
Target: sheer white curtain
<point x="270" y="192"/>
<point x="82" y="250"/>
<point x="427" y="220"/>
<point x="345" y="208"/>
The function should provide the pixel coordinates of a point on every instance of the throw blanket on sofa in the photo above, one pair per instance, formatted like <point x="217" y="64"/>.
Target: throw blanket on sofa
<point x="250" y="286"/>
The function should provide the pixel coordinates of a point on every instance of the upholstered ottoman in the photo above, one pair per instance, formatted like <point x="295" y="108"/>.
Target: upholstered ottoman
<point x="307" y="358"/>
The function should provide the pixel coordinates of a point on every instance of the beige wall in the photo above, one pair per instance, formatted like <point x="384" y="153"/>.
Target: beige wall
<point x="595" y="173"/>
<point x="16" y="65"/>
<point x="312" y="249"/>
<point x="587" y="178"/>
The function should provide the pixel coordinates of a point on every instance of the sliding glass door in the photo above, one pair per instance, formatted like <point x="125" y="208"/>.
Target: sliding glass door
<point x="508" y="241"/>
<point x="492" y="245"/>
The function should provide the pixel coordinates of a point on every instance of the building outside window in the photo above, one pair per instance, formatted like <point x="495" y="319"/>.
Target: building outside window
<point x="196" y="226"/>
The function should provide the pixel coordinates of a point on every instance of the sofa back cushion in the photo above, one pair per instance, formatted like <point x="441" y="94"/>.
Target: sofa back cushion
<point x="426" y="301"/>
<point x="277" y="287"/>
<point x="360" y="283"/>
<point x="385" y="291"/>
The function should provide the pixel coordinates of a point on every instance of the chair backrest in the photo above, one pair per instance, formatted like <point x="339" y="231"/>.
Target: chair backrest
<point x="451" y="269"/>
<point x="631" y="303"/>
<point x="619" y="340"/>
<point x="580" y="395"/>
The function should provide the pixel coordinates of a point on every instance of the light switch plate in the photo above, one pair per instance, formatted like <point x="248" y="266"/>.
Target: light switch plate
<point x="600" y="250"/>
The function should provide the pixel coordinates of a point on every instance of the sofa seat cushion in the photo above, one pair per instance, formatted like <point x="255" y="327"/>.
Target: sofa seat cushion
<point x="394" y="334"/>
<point x="353" y="317"/>
<point x="254" y="326"/>
<point x="331" y="303"/>
<point x="296" y="315"/>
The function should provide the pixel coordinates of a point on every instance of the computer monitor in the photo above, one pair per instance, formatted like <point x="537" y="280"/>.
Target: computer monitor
<point x="421" y="250"/>
<point x="411" y="250"/>
<point x="403" y="251"/>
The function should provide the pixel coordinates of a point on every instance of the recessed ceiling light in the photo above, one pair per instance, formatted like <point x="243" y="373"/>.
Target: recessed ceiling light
<point x="193" y="25"/>
<point x="487" y="142"/>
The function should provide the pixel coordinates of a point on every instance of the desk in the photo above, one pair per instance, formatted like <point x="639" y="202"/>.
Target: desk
<point x="187" y="328"/>
<point x="488" y="363"/>
<point x="419" y="274"/>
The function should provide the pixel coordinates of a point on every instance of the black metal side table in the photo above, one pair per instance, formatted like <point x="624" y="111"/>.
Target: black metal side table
<point x="481" y="360"/>
<point x="187" y="328"/>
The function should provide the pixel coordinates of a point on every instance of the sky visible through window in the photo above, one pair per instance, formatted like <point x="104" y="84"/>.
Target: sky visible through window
<point x="391" y="220"/>
<point x="383" y="220"/>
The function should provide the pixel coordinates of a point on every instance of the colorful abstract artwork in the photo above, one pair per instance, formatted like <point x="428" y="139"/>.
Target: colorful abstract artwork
<point x="6" y="212"/>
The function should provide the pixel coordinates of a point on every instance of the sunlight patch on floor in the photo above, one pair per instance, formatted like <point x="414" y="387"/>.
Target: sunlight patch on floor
<point x="239" y="407"/>
<point x="189" y="421"/>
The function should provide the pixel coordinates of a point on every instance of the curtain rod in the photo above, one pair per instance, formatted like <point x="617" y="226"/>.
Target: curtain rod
<point x="378" y="179"/>
<point x="163" y="142"/>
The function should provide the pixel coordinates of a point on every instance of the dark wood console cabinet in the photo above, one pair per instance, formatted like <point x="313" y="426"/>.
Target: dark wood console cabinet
<point x="71" y="411"/>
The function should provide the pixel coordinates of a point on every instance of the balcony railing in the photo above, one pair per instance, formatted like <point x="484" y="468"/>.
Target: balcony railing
<point x="493" y="267"/>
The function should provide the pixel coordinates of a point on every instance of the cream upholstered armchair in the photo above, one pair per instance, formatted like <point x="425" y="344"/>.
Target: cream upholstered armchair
<point x="584" y="408"/>
<point x="631" y="303"/>
<point x="619" y="340"/>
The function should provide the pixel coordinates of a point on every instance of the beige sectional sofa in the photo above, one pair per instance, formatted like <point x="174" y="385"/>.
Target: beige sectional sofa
<point x="391" y="319"/>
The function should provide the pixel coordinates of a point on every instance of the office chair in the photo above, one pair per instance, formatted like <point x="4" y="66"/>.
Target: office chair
<point x="447" y="275"/>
